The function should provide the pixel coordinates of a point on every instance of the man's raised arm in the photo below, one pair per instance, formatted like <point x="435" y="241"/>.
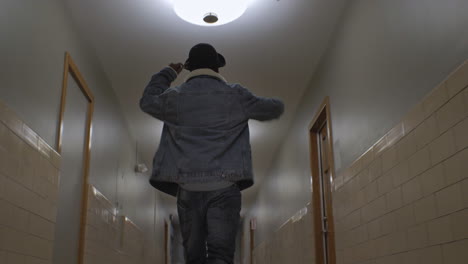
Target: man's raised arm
<point x="151" y="101"/>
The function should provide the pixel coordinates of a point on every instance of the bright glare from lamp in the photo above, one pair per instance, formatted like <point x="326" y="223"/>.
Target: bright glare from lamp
<point x="199" y="11"/>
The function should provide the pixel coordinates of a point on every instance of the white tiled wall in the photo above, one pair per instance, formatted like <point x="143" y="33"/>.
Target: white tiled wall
<point x="111" y="238"/>
<point x="292" y="243"/>
<point x="29" y="180"/>
<point x="415" y="186"/>
<point x="406" y="199"/>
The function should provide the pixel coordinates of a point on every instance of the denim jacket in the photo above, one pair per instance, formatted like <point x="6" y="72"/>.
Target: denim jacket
<point x="205" y="136"/>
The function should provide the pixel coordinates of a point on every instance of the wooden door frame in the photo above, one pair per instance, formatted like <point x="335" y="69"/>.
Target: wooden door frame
<point x="252" y="240"/>
<point x="70" y="67"/>
<point x="322" y="116"/>
<point x="166" y="241"/>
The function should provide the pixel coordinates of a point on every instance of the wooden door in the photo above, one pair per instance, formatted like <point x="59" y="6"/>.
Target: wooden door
<point x="74" y="145"/>
<point x="321" y="153"/>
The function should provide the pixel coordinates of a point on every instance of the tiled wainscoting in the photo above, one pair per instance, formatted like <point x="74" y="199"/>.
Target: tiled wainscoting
<point x="29" y="180"/>
<point x="292" y="243"/>
<point x="112" y="239"/>
<point x="405" y="200"/>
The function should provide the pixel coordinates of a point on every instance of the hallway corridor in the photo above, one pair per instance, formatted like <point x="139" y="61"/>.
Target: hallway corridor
<point x="367" y="165"/>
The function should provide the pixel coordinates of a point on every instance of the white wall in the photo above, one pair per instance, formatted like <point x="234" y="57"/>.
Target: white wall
<point x="385" y="56"/>
<point x="34" y="36"/>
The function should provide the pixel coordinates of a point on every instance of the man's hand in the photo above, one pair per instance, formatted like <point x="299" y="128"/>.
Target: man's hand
<point x="178" y="67"/>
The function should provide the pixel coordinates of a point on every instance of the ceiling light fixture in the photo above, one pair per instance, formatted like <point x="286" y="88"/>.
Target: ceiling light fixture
<point x="210" y="12"/>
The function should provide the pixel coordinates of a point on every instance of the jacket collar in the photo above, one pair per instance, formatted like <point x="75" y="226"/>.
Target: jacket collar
<point x="208" y="72"/>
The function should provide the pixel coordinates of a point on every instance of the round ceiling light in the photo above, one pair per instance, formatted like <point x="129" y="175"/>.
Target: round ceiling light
<point x="210" y="12"/>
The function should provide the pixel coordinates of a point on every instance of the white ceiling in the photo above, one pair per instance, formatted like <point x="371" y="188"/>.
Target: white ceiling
<point x="273" y="49"/>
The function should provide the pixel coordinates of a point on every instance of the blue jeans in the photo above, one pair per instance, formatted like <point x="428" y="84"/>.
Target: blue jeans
<point x="209" y="223"/>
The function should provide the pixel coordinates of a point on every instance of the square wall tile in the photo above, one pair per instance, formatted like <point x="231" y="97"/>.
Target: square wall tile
<point x="9" y="164"/>
<point x="27" y="167"/>
<point x="359" y="235"/>
<point x="375" y="168"/>
<point x="457" y="80"/>
<point x="5" y="209"/>
<point x="406" y="147"/>
<point x="426" y="132"/>
<point x="425" y="209"/>
<point x="395" y="199"/>
<point x="17" y="218"/>
<point x="437" y="98"/>
<point x="385" y="183"/>
<point x="461" y="135"/>
<point x="388" y="224"/>
<point x="346" y="174"/>
<point x="456" y="253"/>
<point x="451" y="113"/>
<point x="465" y="92"/>
<point x="417" y="237"/>
<point x="400" y="173"/>
<point x="382" y="246"/>
<point x="374" y="209"/>
<point x="430" y="255"/>
<point x="433" y="180"/>
<point x="449" y="199"/>
<point x="440" y="231"/>
<point x="2" y="186"/>
<point x="3" y="128"/>
<point x="459" y="224"/>
<point x="11" y="120"/>
<point x="364" y="252"/>
<point x="414" y="118"/>
<point x="389" y="159"/>
<point x="38" y="247"/>
<point x="353" y="220"/>
<point x="12" y="240"/>
<point x="355" y="168"/>
<point x="14" y="258"/>
<point x="11" y="143"/>
<point x="464" y="186"/>
<point x="55" y="159"/>
<point x="398" y="242"/>
<point x="353" y="184"/>
<point x="443" y="147"/>
<point x="338" y="183"/>
<point x="405" y="217"/>
<point x="409" y="257"/>
<point x="16" y="194"/>
<point x="374" y="229"/>
<point x="456" y="167"/>
<point x="367" y="158"/>
<point x="3" y="235"/>
<point x="412" y="191"/>
<point x="371" y="191"/>
<point x="419" y="162"/>
<point x="363" y="179"/>
<point x="41" y="227"/>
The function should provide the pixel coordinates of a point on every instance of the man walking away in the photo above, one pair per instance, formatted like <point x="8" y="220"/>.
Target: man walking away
<point x="204" y="156"/>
